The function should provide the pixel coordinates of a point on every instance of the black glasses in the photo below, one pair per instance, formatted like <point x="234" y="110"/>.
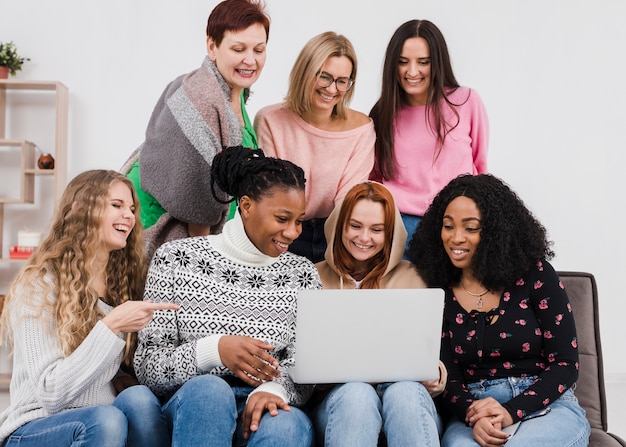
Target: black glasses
<point x="325" y="80"/>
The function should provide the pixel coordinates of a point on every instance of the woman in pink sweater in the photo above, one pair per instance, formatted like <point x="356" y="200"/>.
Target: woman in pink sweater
<point x="315" y="129"/>
<point x="429" y="129"/>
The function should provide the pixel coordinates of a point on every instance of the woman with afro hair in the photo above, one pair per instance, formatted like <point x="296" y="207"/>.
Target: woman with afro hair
<point x="508" y="339"/>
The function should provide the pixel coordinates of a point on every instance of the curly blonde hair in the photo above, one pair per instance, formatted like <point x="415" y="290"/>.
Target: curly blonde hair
<point x="65" y="263"/>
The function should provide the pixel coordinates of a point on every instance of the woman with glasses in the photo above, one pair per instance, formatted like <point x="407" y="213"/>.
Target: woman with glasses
<point x="429" y="129"/>
<point x="315" y="129"/>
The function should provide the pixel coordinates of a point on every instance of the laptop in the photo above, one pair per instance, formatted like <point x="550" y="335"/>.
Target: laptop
<point x="367" y="335"/>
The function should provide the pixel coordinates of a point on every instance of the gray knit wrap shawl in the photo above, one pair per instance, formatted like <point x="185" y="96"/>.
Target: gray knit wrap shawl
<point x="191" y="122"/>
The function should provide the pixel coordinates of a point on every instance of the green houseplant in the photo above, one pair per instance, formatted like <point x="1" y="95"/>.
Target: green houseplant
<point x="10" y="59"/>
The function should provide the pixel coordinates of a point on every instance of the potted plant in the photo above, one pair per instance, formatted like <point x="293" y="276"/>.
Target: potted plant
<point x="10" y="61"/>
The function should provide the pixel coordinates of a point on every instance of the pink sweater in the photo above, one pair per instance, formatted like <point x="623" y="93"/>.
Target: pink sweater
<point x="332" y="161"/>
<point x="419" y="176"/>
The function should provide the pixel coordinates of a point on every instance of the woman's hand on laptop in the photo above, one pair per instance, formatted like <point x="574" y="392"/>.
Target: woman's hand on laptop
<point x="258" y="403"/>
<point x="248" y="359"/>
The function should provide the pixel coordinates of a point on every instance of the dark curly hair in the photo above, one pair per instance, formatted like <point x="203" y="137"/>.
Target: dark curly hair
<point x="511" y="238"/>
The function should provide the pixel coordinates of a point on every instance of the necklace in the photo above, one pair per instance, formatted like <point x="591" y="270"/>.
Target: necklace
<point x="479" y="301"/>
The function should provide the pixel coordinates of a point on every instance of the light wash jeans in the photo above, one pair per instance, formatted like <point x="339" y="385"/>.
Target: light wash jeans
<point x="564" y="426"/>
<point x="353" y="414"/>
<point x="410" y="224"/>
<point x="134" y="419"/>
<point x="206" y="411"/>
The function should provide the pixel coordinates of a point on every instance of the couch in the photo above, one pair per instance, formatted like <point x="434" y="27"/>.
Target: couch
<point x="583" y="295"/>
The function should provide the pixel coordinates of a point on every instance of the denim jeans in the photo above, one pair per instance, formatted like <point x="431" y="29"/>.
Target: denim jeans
<point x="353" y="414"/>
<point x="206" y="411"/>
<point x="565" y="425"/>
<point x="147" y="425"/>
<point x="410" y="224"/>
<point x="134" y="419"/>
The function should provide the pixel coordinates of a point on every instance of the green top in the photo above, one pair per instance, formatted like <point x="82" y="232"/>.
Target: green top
<point x="151" y="210"/>
<point x="249" y="135"/>
<point x="249" y="140"/>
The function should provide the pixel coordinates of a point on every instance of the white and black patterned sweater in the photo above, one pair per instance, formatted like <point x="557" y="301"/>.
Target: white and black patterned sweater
<point x="224" y="286"/>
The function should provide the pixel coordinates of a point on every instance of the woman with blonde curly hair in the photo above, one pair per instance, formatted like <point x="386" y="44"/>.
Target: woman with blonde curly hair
<point x="71" y="317"/>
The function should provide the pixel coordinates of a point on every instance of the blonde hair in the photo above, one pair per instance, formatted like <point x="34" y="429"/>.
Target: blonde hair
<point x="65" y="265"/>
<point x="309" y="63"/>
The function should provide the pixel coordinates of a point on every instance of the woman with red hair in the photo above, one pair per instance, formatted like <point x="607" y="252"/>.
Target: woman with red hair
<point x="366" y="238"/>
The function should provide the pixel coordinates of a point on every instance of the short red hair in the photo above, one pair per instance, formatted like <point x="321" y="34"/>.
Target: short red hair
<point x="236" y="15"/>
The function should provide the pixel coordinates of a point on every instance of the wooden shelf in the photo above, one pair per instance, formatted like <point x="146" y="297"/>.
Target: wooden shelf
<point x="38" y="171"/>
<point x="21" y="84"/>
<point x="61" y="115"/>
<point x="28" y="165"/>
<point x="5" y="142"/>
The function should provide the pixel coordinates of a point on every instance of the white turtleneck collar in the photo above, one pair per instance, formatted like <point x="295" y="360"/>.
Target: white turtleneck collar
<point x="234" y="244"/>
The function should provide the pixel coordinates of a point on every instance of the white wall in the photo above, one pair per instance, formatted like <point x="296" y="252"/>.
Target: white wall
<point x="551" y="74"/>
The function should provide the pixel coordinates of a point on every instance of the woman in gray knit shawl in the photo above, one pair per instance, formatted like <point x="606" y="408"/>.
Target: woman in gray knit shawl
<point x="199" y="114"/>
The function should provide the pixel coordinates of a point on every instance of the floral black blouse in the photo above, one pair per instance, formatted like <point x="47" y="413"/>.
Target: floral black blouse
<point x="533" y="335"/>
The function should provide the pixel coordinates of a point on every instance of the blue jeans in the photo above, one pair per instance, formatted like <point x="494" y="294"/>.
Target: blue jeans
<point x="134" y="419"/>
<point x="206" y="411"/>
<point x="410" y="224"/>
<point x="565" y="425"/>
<point x="353" y="414"/>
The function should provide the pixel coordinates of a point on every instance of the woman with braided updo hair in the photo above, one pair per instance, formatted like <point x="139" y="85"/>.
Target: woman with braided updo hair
<point x="220" y="362"/>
